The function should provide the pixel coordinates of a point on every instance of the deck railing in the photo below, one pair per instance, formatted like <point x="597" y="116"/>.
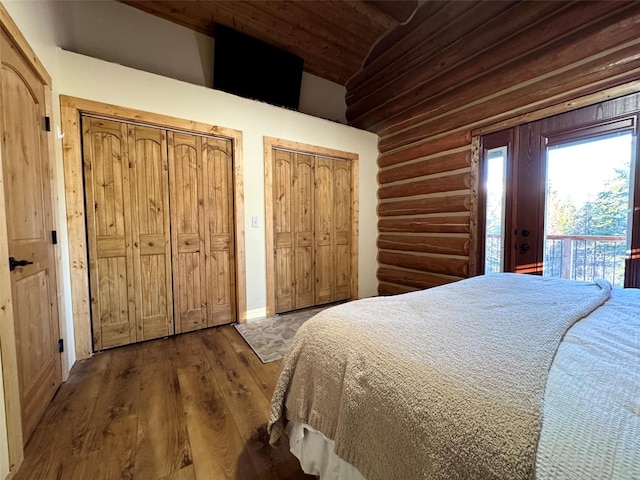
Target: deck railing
<point x="579" y="257"/>
<point x="586" y="257"/>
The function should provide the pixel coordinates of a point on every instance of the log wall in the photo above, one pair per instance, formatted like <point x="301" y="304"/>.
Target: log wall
<point x="455" y="68"/>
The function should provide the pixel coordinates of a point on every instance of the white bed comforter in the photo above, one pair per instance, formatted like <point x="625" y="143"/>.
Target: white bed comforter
<point x="591" y="415"/>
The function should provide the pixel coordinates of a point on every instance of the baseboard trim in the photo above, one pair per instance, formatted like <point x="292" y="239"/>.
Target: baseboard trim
<point x="256" y="314"/>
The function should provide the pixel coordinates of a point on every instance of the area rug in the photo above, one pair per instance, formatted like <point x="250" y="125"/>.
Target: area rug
<point x="270" y="338"/>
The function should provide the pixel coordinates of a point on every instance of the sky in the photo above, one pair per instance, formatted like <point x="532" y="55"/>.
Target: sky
<point x="579" y="171"/>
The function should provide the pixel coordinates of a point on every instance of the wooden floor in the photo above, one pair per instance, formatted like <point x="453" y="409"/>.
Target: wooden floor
<point x="194" y="406"/>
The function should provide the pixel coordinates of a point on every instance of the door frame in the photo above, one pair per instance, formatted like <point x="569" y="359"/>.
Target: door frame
<point x="10" y="407"/>
<point x="71" y="108"/>
<point x="269" y="144"/>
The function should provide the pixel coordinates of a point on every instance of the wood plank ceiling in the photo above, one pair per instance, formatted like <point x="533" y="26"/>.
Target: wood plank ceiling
<point x="333" y="37"/>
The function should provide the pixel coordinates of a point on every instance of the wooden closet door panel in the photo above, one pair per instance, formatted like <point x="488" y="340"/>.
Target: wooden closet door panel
<point x="107" y="196"/>
<point x="187" y="231"/>
<point x="325" y="227"/>
<point x="342" y="225"/>
<point x="304" y="231"/>
<point x="283" y="172"/>
<point x="149" y="179"/>
<point x="220" y="264"/>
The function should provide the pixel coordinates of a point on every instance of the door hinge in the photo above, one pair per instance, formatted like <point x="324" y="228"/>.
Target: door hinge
<point x="54" y="237"/>
<point x="60" y="345"/>
<point x="47" y="124"/>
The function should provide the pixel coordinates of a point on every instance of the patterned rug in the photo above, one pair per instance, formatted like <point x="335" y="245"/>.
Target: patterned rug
<point x="270" y="338"/>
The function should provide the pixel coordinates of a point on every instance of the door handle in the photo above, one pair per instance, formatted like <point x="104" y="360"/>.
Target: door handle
<point x="524" y="247"/>
<point x="13" y="263"/>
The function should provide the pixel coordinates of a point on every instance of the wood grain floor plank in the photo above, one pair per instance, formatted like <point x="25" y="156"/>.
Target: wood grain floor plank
<point x="112" y="447"/>
<point x="163" y="442"/>
<point x="215" y="442"/>
<point x="62" y="431"/>
<point x="48" y="459"/>
<point x="190" y="407"/>
<point x="248" y="405"/>
<point x="265" y="374"/>
<point x="187" y="473"/>
<point x="242" y="395"/>
<point x="120" y="391"/>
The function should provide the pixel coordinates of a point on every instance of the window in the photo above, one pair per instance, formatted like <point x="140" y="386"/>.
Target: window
<point x="494" y="227"/>
<point x="588" y="208"/>
<point x="493" y="202"/>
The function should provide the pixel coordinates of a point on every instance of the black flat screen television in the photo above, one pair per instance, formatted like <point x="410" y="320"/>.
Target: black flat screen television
<point x="253" y="69"/>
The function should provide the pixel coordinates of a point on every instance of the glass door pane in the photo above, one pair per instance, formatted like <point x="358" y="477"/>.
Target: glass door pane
<point x="496" y="165"/>
<point x="588" y="208"/>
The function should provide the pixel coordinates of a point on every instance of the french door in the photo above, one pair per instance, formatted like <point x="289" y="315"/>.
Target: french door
<point x="561" y="197"/>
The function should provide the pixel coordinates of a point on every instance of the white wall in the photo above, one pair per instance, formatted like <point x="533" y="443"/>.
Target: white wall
<point x="92" y="79"/>
<point x="322" y="98"/>
<point x="118" y="33"/>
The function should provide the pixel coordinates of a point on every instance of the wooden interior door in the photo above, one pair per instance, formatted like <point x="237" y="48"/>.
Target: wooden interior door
<point x="201" y="192"/>
<point x="333" y="229"/>
<point x="26" y="170"/>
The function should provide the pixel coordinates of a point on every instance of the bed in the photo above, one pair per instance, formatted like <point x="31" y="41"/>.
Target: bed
<point x="501" y="376"/>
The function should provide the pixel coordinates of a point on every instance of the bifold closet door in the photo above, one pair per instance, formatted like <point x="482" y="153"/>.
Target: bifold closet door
<point x="342" y="205"/>
<point x="294" y="240"/>
<point x="333" y="229"/>
<point x="126" y="177"/>
<point x="325" y="235"/>
<point x="149" y="177"/>
<point x="312" y="230"/>
<point x="303" y="233"/>
<point x="201" y="192"/>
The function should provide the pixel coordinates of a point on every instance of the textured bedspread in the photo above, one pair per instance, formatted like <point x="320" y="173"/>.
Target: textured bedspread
<point x="591" y="421"/>
<point x="443" y="383"/>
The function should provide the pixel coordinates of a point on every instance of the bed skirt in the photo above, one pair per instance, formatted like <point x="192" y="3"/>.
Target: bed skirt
<point x="316" y="454"/>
